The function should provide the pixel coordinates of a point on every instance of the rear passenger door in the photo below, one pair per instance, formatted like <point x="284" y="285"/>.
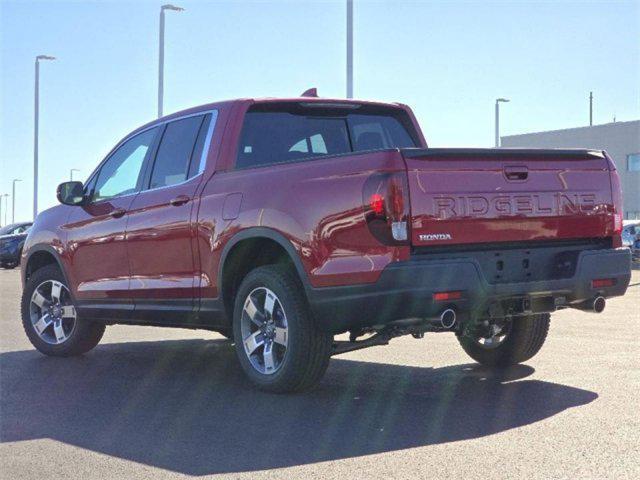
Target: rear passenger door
<point x="160" y="229"/>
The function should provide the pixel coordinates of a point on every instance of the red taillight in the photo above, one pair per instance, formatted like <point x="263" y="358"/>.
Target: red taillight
<point x="443" y="296"/>
<point x="376" y="202"/>
<point x="603" y="282"/>
<point x="386" y="204"/>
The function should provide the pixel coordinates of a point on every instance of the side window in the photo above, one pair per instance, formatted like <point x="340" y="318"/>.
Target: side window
<point x="119" y="175"/>
<point x="199" y="157"/>
<point x="175" y="151"/>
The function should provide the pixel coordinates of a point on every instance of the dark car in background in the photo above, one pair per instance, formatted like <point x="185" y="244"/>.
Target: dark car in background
<point x="12" y="239"/>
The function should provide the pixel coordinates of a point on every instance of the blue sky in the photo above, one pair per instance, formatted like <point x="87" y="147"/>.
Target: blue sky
<point x="449" y="60"/>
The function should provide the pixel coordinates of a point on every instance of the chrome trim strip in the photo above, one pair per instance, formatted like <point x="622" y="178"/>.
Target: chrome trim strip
<point x="207" y="141"/>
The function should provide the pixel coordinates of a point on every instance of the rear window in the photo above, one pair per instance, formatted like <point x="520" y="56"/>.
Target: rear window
<point x="270" y="137"/>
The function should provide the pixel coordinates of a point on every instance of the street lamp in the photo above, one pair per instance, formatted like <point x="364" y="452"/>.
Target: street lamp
<point x="349" y="48"/>
<point x="6" y="206"/>
<point x="71" y="173"/>
<point x="498" y="101"/>
<point x="13" y="200"/>
<point x="35" y="132"/>
<point x="161" y="55"/>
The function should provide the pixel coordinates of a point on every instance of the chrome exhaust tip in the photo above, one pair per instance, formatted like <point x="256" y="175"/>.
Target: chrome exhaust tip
<point x="448" y="318"/>
<point x="598" y="304"/>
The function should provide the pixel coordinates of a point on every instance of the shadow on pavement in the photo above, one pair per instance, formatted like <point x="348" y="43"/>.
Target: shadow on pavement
<point x="185" y="406"/>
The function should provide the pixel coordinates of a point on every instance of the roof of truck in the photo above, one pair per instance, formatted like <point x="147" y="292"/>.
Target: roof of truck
<point x="211" y="106"/>
<point x="266" y="100"/>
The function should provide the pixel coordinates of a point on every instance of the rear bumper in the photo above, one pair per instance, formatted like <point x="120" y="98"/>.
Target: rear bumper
<point x="405" y="290"/>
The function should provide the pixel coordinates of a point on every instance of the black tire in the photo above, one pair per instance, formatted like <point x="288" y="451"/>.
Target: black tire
<point x="308" y="349"/>
<point x="525" y="339"/>
<point x="84" y="336"/>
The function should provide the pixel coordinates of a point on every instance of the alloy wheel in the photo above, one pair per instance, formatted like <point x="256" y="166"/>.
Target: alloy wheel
<point x="264" y="331"/>
<point x="52" y="313"/>
<point x="494" y="337"/>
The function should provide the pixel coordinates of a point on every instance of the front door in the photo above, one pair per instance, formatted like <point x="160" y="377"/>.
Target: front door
<point x="159" y="231"/>
<point x="96" y="231"/>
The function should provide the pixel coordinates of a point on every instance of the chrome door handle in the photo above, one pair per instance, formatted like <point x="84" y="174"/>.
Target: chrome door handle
<point x="117" y="213"/>
<point x="179" y="200"/>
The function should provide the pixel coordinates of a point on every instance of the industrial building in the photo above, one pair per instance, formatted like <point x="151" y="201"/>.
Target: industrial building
<point x="621" y="140"/>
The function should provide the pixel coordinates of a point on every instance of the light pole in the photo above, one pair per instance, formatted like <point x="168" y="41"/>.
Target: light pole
<point x="36" y="121"/>
<point x="6" y="206"/>
<point x="71" y="173"/>
<point x="161" y="55"/>
<point x="349" y="48"/>
<point x="13" y="200"/>
<point x="498" y="101"/>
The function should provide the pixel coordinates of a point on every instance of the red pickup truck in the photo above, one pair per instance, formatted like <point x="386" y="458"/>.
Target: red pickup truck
<point x="281" y="223"/>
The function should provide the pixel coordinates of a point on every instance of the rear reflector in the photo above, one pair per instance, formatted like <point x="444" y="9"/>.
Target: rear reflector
<point x="603" y="282"/>
<point x="442" y="296"/>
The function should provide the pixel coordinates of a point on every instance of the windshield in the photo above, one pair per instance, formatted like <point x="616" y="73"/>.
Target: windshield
<point x="14" y="228"/>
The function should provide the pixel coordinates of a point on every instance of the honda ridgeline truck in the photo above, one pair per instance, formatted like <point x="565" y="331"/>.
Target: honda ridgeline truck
<point x="281" y="223"/>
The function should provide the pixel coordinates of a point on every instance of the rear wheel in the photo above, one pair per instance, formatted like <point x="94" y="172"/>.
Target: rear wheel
<point x="508" y="342"/>
<point x="279" y="346"/>
<point x="49" y="317"/>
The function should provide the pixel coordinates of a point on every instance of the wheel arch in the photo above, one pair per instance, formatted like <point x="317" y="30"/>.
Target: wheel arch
<point x="40" y="256"/>
<point x="258" y="246"/>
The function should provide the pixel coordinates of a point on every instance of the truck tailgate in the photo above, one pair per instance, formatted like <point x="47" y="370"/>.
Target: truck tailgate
<point x="462" y="196"/>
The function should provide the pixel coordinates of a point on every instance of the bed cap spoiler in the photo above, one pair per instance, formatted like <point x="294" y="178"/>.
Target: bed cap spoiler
<point x="578" y="153"/>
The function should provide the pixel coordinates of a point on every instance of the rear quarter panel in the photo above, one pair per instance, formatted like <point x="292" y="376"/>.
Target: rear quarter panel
<point x="316" y="205"/>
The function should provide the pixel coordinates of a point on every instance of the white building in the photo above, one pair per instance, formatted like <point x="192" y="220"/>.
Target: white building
<point x="621" y="140"/>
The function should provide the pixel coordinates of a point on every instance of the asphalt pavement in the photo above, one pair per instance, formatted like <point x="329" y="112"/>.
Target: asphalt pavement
<point x="169" y="403"/>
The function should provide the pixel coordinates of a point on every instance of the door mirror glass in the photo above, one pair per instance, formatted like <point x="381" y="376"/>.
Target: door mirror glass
<point x="70" y="193"/>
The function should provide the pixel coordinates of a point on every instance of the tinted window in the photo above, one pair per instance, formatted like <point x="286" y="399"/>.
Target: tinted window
<point x="198" y="159"/>
<point x="373" y="132"/>
<point x="175" y="151"/>
<point x="279" y="136"/>
<point x="274" y="137"/>
<point x="119" y="175"/>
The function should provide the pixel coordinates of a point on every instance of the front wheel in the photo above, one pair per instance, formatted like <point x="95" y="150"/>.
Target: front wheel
<point x="49" y="317"/>
<point x="277" y="342"/>
<point x="507" y="342"/>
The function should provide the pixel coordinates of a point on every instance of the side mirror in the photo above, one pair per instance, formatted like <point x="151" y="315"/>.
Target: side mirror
<point x="70" y="193"/>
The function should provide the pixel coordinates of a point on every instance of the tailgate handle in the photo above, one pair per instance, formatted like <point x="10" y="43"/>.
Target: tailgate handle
<point x="517" y="173"/>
